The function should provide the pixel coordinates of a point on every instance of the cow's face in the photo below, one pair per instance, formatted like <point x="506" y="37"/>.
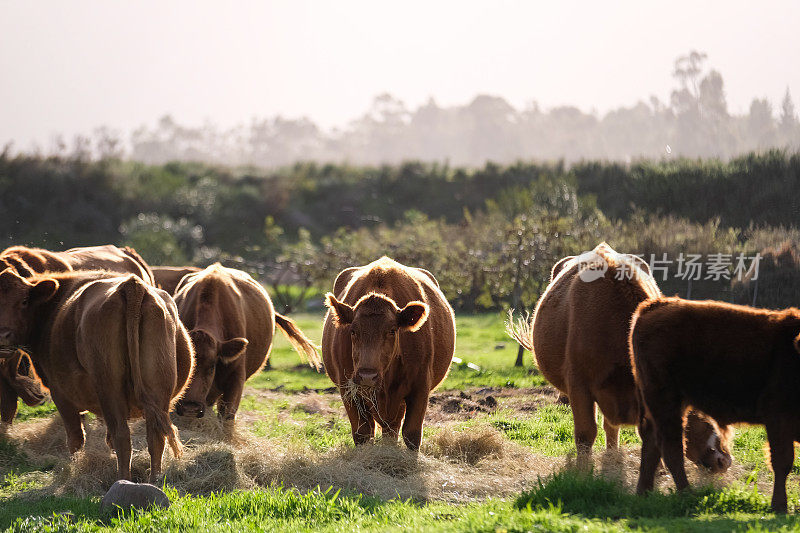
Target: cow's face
<point x="23" y="381"/>
<point x="706" y="443"/>
<point x="18" y="301"/>
<point x="374" y="325"/>
<point x="209" y="352"/>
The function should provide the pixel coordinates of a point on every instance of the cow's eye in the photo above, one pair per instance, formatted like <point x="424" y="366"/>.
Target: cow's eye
<point x="24" y="303"/>
<point x="392" y="332"/>
<point x="352" y="334"/>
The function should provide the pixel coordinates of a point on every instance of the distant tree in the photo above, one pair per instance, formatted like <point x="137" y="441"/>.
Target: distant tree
<point x="788" y="125"/>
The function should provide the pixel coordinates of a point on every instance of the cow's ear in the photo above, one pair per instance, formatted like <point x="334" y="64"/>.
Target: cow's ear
<point x="18" y="264"/>
<point x="342" y="313"/>
<point x="641" y="263"/>
<point x="231" y="350"/>
<point x="412" y="316"/>
<point x="43" y="290"/>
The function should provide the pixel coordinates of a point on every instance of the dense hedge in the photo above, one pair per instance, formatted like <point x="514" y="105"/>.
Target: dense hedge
<point x="490" y="233"/>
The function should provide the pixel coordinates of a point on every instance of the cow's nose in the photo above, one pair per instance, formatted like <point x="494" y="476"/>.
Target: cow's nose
<point x="368" y="376"/>
<point x="723" y="462"/>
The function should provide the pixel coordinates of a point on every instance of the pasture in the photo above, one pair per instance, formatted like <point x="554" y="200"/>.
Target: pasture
<point x="496" y="456"/>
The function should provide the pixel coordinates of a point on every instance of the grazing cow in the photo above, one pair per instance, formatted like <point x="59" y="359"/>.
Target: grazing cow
<point x="28" y="261"/>
<point x="388" y="341"/>
<point x="579" y="337"/>
<point x="18" y="380"/>
<point x="736" y="363"/>
<point x="110" y="345"/>
<point x="231" y="322"/>
<point x="168" y="277"/>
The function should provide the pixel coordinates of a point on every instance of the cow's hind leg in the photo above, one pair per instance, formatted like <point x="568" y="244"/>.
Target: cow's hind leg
<point x="73" y="422"/>
<point x="585" y="419"/>
<point x="612" y="434"/>
<point x="121" y="439"/>
<point x="155" y="445"/>
<point x="781" y="452"/>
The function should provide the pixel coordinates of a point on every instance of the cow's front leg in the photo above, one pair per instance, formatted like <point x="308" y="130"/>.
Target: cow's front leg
<point x="416" y="406"/>
<point x="394" y="411"/>
<point x="362" y="425"/>
<point x="228" y="405"/>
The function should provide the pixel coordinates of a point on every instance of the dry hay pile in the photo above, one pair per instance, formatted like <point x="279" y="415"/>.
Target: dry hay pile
<point x="453" y="466"/>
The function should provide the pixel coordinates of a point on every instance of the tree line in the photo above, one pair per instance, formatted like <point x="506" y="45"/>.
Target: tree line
<point x="695" y="122"/>
<point x="490" y="234"/>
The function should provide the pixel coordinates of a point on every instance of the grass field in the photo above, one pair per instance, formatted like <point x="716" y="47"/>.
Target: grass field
<point x="495" y="457"/>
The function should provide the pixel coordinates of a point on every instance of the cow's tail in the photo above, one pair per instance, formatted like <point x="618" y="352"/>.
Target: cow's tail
<point x="302" y="344"/>
<point x="521" y="329"/>
<point x="134" y="291"/>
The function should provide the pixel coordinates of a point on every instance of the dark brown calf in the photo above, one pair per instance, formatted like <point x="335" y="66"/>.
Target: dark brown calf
<point x="736" y="363"/>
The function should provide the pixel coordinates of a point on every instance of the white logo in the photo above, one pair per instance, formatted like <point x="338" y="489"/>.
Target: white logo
<point x="591" y="266"/>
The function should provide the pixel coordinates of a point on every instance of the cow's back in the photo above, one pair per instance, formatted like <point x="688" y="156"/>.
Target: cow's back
<point x="108" y="257"/>
<point x="684" y="342"/>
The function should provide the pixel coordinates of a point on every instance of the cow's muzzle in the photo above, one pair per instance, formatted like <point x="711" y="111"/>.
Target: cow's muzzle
<point x="366" y="377"/>
<point x="716" y="461"/>
<point x="189" y="408"/>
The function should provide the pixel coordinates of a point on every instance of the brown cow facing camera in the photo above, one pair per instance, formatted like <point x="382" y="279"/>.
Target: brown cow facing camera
<point x="104" y="343"/>
<point x="388" y="341"/>
<point x="736" y="363"/>
<point x="231" y="321"/>
<point x="579" y="337"/>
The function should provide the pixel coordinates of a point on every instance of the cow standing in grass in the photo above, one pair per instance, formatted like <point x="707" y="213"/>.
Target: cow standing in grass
<point x="102" y="343"/>
<point x="232" y="323"/>
<point x="579" y="337"/>
<point x="388" y="341"/>
<point x="736" y="363"/>
<point x="31" y="261"/>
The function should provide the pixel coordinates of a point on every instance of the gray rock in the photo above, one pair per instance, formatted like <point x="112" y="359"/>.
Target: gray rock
<point x="127" y="495"/>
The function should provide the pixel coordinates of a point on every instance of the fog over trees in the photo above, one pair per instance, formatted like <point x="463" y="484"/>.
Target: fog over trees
<point x="694" y="123"/>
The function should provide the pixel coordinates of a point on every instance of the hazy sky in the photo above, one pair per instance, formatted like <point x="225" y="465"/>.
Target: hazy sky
<point x="69" y="67"/>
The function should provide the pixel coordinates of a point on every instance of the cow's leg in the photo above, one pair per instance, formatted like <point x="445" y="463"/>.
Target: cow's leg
<point x="390" y="426"/>
<point x="362" y="425"/>
<point x="155" y="445"/>
<point x="612" y="434"/>
<point x="121" y="437"/>
<point x="416" y="406"/>
<point x="585" y="417"/>
<point x="228" y="405"/>
<point x="8" y="405"/>
<point x="781" y="452"/>
<point x="73" y="422"/>
<point x="670" y="439"/>
<point x="651" y="456"/>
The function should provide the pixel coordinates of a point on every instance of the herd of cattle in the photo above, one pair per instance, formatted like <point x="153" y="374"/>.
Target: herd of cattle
<point x="106" y="333"/>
